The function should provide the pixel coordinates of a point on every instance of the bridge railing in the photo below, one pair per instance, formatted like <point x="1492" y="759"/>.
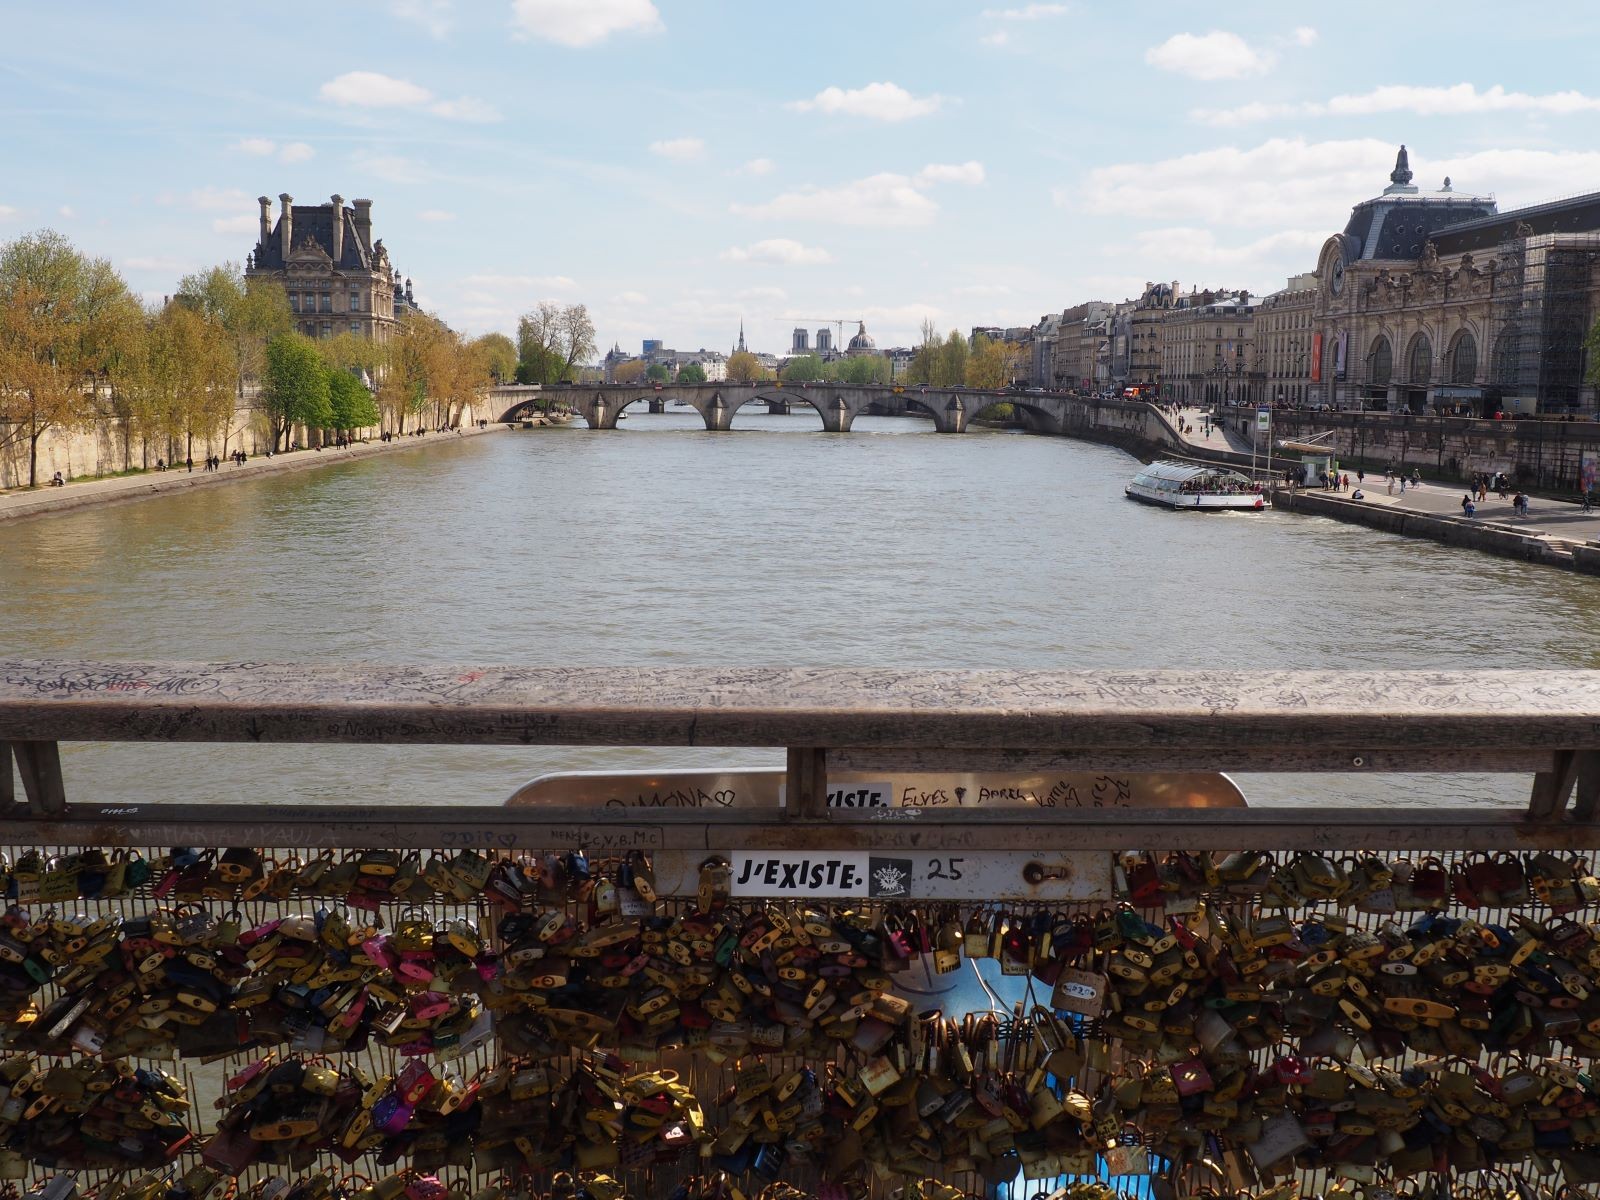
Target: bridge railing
<point x="1542" y="724"/>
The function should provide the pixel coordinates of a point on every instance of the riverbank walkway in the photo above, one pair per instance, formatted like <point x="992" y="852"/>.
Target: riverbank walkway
<point x="1551" y="520"/>
<point x="30" y="502"/>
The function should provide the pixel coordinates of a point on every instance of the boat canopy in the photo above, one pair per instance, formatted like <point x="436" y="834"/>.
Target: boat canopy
<point x="1177" y="472"/>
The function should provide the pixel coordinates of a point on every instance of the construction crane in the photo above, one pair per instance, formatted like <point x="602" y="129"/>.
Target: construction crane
<point x="839" y="322"/>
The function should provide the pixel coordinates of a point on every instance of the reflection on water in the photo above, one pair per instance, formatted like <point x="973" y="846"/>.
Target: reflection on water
<point x="663" y="544"/>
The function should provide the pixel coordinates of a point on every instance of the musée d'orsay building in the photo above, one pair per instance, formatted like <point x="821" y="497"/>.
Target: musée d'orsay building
<point x="1433" y="300"/>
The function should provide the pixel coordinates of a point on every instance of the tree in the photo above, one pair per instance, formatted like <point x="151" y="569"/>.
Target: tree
<point x="657" y="373"/>
<point x="805" y="368"/>
<point x="989" y="365"/>
<point x="350" y="402"/>
<point x="551" y="341"/>
<point x="294" y="387"/>
<point x="61" y="318"/>
<point x="498" y="355"/>
<point x="744" y="367"/>
<point x="950" y="368"/>
<point x="862" y="368"/>
<point x="631" y="371"/>
<point x="251" y="311"/>
<point x="691" y="372"/>
<point x="924" y="364"/>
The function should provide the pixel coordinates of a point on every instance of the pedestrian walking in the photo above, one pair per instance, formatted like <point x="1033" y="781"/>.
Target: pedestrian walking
<point x="1390" y="483"/>
<point x="1588" y="506"/>
<point x="189" y="462"/>
<point x="1361" y="477"/>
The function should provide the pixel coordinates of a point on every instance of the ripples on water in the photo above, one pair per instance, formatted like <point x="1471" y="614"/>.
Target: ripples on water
<point x="663" y="544"/>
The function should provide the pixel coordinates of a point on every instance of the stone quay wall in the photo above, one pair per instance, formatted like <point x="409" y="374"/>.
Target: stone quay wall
<point x="1536" y="455"/>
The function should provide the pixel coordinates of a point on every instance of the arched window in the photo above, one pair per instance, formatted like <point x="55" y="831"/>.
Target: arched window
<point x="1464" y="359"/>
<point x="1507" y="358"/>
<point x="1382" y="359"/>
<point x="1419" y="361"/>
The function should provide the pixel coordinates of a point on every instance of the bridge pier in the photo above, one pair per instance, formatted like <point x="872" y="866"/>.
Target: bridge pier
<point x="951" y="417"/>
<point x="601" y="412"/>
<point x="657" y="404"/>
<point x="837" y="415"/>
<point x="718" y="414"/>
<point x="778" y="408"/>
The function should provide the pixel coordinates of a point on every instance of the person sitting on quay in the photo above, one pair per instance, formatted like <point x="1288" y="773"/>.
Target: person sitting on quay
<point x="57" y="481"/>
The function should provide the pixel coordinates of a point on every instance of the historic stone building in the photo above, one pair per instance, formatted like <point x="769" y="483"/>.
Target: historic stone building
<point x="1433" y="301"/>
<point x="338" y="279"/>
<point x="1145" y="321"/>
<point x="1283" y="341"/>
<point x="1083" y="347"/>
<point x="1207" y="349"/>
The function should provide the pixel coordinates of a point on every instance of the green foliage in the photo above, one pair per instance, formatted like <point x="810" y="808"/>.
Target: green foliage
<point x="1592" y="344"/>
<point x="498" y="355"/>
<point x="691" y="373"/>
<point x="744" y="367"/>
<point x="657" y="373"/>
<point x="552" y="341"/>
<point x="294" y="386"/>
<point x="350" y="402"/>
<point x="864" y="368"/>
<point x="805" y="368"/>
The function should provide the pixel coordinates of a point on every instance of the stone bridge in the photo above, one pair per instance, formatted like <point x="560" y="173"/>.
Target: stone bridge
<point x="839" y="404"/>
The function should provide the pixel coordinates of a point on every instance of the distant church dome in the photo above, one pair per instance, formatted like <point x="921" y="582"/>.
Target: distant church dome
<point x="862" y="342"/>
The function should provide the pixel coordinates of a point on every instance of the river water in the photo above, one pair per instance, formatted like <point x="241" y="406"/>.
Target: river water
<point x="775" y="545"/>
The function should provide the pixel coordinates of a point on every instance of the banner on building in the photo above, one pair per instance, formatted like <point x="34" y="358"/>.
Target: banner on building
<point x="1587" y="461"/>
<point x="1316" y="358"/>
<point x="1339" y="345"/>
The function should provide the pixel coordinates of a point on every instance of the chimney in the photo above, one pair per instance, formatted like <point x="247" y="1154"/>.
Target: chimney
<point x="286" y="224"/>
<point x="266" y="219"/>
<point x="338" y="228"/>
<point x="363" y="223"/>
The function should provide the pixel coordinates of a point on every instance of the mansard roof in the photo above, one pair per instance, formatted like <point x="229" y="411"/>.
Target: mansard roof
<point x="313" y="226"/>
<point x="1575" y="214"/>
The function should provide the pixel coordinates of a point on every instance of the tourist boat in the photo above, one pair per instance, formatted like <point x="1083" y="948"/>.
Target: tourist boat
<point x="1192" y="485"/>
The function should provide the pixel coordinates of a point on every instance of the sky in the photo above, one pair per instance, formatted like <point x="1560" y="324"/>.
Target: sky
<point x="682" y="165"/>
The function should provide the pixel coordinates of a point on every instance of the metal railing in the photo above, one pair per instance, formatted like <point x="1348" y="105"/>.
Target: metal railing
<point x="1543" y="723"/>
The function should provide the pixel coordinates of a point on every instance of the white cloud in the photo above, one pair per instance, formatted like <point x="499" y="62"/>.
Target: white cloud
<point x="1461" y="99"/>
<point x="967" y="172"/>
<point x="684" y="149"/>
<point x="583" y="22"/>
<point x="394" y="168"/>
<point x="1028" y="12"/>
<point x="758" y="166"/>
<point x="66" y="210"/>
<point x="1181" y="247"/>
<point x="175" y="266"/>
<point x="982" y="289"/>
<point x="1214" y="55"/>
<point x="998" y="38"/>
<point x="630" y="298"/>
<point x="212" y="199"/>
<point x="259" y="147"/>
<point x="768" y="295"/>
<point x="876" y="101"/>
<point x="372" y="89"/>
<point x="778" y="252"/>
<point x="435" y="214"/>
<point x="496" y="282"/>
<point x="1295" y="184"/>
<point x="7" y="212"/>
<point x="235" y="225"/>
<point x="432" y="16"/>
<point x="883" y="201"/>
<point x="466" y="108"/>
<point x="1304" y="35"/>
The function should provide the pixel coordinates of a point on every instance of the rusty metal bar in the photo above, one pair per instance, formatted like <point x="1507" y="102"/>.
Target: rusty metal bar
<point x="1551" y="787"/>
<point x="39" y="764"/>
<point x="612" y="830"/>
<point x="806" y="783"/>
<point x="8" y="780"/>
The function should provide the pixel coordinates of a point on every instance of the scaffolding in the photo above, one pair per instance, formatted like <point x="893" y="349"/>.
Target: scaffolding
<point x="1542" y="314"/>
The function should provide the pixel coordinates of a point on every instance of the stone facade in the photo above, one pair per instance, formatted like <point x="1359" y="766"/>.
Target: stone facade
<point x="1207" y="349"/>
<point x="338" y="279"/>
<point x="1283" y="341"/>
<point x="1434" y="302"/>
<point x="1145" y="324"/>
<point x="1083" y="347"/>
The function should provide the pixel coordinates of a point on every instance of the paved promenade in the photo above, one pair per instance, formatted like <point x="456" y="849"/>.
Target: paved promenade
<point x="26" y="502"/>
<point x="1548" y="519"/>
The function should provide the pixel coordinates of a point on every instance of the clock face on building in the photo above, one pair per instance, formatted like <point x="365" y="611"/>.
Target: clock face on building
<point x="1336" y="276"/>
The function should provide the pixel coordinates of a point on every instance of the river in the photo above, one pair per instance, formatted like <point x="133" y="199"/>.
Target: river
<point x="778" y="545"/>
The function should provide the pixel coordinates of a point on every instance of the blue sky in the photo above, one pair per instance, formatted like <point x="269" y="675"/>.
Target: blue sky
<point x="680" y="164"/>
